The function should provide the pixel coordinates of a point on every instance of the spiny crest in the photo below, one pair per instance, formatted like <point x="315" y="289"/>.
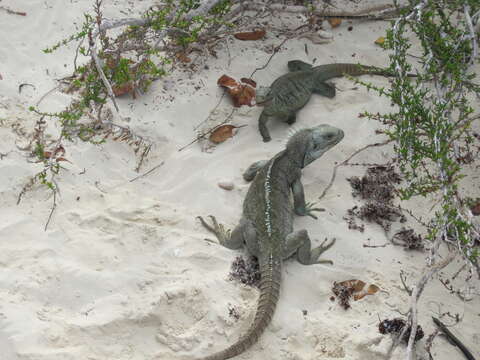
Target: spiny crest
<point x="268" y="209"/>
<point x="294" y="129"/>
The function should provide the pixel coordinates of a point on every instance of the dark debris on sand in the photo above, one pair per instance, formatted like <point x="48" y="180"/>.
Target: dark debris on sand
<point x="396" y="326"/>
<point x="246" y="271"/>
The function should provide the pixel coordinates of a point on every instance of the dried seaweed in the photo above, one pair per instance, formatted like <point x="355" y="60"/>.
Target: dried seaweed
<point x="246" y="271"/>
<point x="343" y="293"/>
<point x="408" y="239"/>
<point x="377" y="186"/>
<point x="396" y="326"/>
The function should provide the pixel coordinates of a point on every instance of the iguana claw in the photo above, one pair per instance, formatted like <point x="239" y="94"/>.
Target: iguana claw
<point x="309" y="208"/>
<point x="217" y="229"/>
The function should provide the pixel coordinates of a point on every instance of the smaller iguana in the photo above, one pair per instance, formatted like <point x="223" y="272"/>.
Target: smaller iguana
<point x="266" y="226"/>
<point x="291" y="92"/>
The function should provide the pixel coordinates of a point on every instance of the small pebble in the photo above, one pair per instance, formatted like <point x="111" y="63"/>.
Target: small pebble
<point x="226" y="185"/>
<point x="325" y="34"/>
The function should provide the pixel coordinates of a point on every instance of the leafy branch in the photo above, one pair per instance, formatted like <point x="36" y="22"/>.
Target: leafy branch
<point x="432" y="124"/>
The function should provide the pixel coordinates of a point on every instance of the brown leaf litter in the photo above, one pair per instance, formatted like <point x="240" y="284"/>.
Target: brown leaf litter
<point x="242" y="93"/>
<point x="344" y="290"/>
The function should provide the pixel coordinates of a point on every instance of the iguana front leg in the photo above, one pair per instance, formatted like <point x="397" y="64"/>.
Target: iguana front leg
<point x="252" y="170"/>
<point x="299" y="242"/>
<point x="302" y="208"/>
<point x="262" y="126"/>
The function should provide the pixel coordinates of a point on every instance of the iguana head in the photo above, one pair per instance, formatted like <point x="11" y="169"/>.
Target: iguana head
<point x="307" y="145"/>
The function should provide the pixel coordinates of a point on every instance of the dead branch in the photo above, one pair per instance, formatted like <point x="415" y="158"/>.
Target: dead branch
<point x="13" y="12"/>
<point x="416" y="292"/>
<point x="148" y="172"/>
<point x="54" y="206"/>
<point x="453" y="339"/>
<point x="379" y="12"/>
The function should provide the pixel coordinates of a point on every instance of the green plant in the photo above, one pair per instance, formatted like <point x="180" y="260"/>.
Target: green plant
<point x="431" y="124"/>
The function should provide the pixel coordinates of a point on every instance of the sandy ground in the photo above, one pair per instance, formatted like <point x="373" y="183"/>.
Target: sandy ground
<point x="123" y="271"/>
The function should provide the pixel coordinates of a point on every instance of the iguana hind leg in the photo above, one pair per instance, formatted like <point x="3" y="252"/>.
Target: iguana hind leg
<point x="232" y="240"/>
<point x="244" y="233"/>
<point x="299" y="242"/>
<point x="324" y="89"/>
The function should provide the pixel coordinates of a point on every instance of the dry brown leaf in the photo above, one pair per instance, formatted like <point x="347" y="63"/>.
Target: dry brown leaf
<point x="334" y="22"/>
<point x="119" y="90"/>
<point x="241" y="94"/>
<point x="222" y="133"/>
<point x="250" y="35"/>
<point x="359" y="290"/>
<point x="380" y="40"/>
<point x="475" y="209"/>
<point x="183" y="57"/>
<point x="226" y="81"/>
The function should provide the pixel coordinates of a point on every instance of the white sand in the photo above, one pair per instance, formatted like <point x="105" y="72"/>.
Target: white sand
<point x="123" y="272"/>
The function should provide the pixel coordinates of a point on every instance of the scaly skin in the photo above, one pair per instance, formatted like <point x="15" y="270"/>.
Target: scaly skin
<point x="291" y="92"/>
<point x="266" y="226"/>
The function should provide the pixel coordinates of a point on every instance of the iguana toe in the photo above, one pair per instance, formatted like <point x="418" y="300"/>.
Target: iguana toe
<point x="217" y="229"/>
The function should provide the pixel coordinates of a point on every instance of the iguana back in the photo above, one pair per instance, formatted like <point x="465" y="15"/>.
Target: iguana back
<point x="292" y="91"/>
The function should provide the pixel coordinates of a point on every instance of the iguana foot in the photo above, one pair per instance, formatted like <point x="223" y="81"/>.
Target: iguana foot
<point x="310" y="208"/>
<point x="300" y="243"/>
<point x="291" y="119"/>
<point x="222" y="234"/>
<point x="319" y="250"/>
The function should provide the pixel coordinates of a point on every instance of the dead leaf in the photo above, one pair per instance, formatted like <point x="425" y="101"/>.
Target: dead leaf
<point x="249" y="82"/>
<point x="370" y="290"/>
<point x="222" y="133"/>
<point x="380" y="40"/>
<point x="241" y="94"/>
<point x="334" y="22"/>
<point x="250" y="35"/>
<point x="125" y="88"/>
<point x="226" y="81"/>
<point x="475" y="209"/>
<point x="183" y="57"/>
<point x="358" y="289"/>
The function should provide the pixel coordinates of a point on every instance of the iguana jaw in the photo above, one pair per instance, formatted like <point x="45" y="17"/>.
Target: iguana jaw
<point x="307" y="145"/>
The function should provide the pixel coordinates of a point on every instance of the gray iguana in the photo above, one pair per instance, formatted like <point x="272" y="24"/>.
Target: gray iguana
<point x="291" y="92"/>
<point x="266" y="226"/>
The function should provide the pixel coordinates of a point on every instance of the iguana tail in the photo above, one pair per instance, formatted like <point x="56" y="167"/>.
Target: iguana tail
<point x="328" y="71"/>
<point x="270" y="271"/>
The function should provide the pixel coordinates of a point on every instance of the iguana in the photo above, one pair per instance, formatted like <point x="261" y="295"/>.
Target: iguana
<point x="291" y="92"/>
<point x="266" y="224"/>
